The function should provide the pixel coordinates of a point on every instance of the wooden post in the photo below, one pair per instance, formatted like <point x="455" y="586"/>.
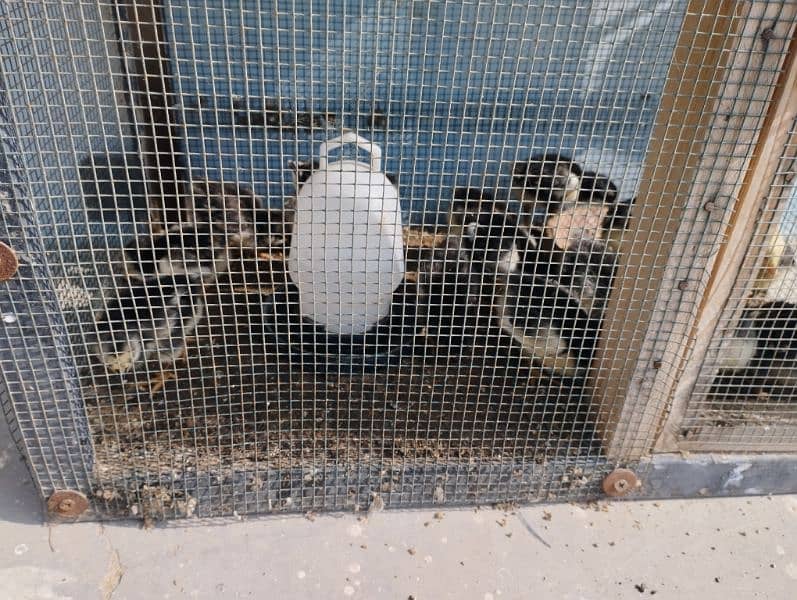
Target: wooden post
<point x="718" y="89"/>
<point x="159" y="134"/>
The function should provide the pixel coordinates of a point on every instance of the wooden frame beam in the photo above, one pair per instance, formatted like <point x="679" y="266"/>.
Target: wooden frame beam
<point x="720" y="85"/>
<point x="153" y="99"/>
<point x="733" y="270"/>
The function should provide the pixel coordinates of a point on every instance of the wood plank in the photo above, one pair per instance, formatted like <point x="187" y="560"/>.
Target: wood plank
<point x="153" y="98"/>
<point x="681" y="126"/>
<point x="751" y="437"/>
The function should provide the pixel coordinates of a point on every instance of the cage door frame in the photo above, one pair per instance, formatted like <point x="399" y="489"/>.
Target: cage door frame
<point x="732" y="279"/>
<point x="706" y="146"/>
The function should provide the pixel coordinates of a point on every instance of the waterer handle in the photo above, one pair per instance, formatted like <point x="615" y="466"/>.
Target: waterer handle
<point x="349" y="137"/>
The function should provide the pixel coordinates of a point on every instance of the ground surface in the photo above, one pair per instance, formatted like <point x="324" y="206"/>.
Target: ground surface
<point x="738" y="548"/>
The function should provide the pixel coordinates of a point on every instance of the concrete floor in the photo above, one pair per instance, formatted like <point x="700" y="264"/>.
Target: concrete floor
<point x="738" y="548"/>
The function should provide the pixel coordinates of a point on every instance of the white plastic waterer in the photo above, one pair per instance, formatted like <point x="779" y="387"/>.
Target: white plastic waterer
<point x="347" y="250"/>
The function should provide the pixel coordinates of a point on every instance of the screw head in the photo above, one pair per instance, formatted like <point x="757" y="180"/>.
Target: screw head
<point x="620" y="482"/>
<point x="9" y="263"/>
<point x="683" y="285"/>
<point x="67" y="503"/>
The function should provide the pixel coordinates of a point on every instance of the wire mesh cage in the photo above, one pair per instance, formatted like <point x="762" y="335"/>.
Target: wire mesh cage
<point x="329" y="255"/>
<point x="745" y="394"/>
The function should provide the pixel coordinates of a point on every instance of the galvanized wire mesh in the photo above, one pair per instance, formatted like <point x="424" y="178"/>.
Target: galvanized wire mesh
<point x="745" y="395"/>
<point x="160" y="160"/>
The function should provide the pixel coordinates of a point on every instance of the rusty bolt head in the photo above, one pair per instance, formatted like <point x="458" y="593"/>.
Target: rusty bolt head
<point x="683" y="285"/>
<point x="709" y="206"/>
<point x="620" y="482"/>
<point x="67" y="503"/>
<point x="8" y="262"/>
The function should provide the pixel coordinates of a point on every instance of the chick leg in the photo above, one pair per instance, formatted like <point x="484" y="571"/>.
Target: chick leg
<point x="179" y="356"/>
<point x="157" y="383"/>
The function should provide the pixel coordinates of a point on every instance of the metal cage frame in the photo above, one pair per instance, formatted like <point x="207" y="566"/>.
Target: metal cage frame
<point x="645" y="382"/>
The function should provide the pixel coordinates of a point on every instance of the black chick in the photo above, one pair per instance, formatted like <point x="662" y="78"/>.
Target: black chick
<point x="544" y="183"/>
<point x="548" y="323"/>
<point x="776" y="348"/>
<point x="759" y="361"/>
<point x="452" y="277"/>
<point x="596" y="187"/>
<point x="302" y="169"/>
<point x="764" y="345"/>
<point x="148" y="320"/>
<point x="273" y="227"/>
<point x="493" y="237"/>
<point x="228" y="208"/>
<point x="498" y="240"/>
<point x="454" y="292"/>
<point x="549" y="184"/>
<point x="586" y="270"/>
<point x="199" y="253"/>
<point x="466" y="203"/>
<point x="597" y="214"/>
<point x="617" y="219"/>
<point x="546" y="299"/>
<point x="241" y="217"/>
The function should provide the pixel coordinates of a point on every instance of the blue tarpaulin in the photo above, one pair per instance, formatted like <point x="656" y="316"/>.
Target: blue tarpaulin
<point x="462" y="89"/>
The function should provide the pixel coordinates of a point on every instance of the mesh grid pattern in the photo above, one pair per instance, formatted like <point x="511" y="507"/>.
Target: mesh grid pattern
<point x="166" y="353"/>
<point x="745" y="396"/>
